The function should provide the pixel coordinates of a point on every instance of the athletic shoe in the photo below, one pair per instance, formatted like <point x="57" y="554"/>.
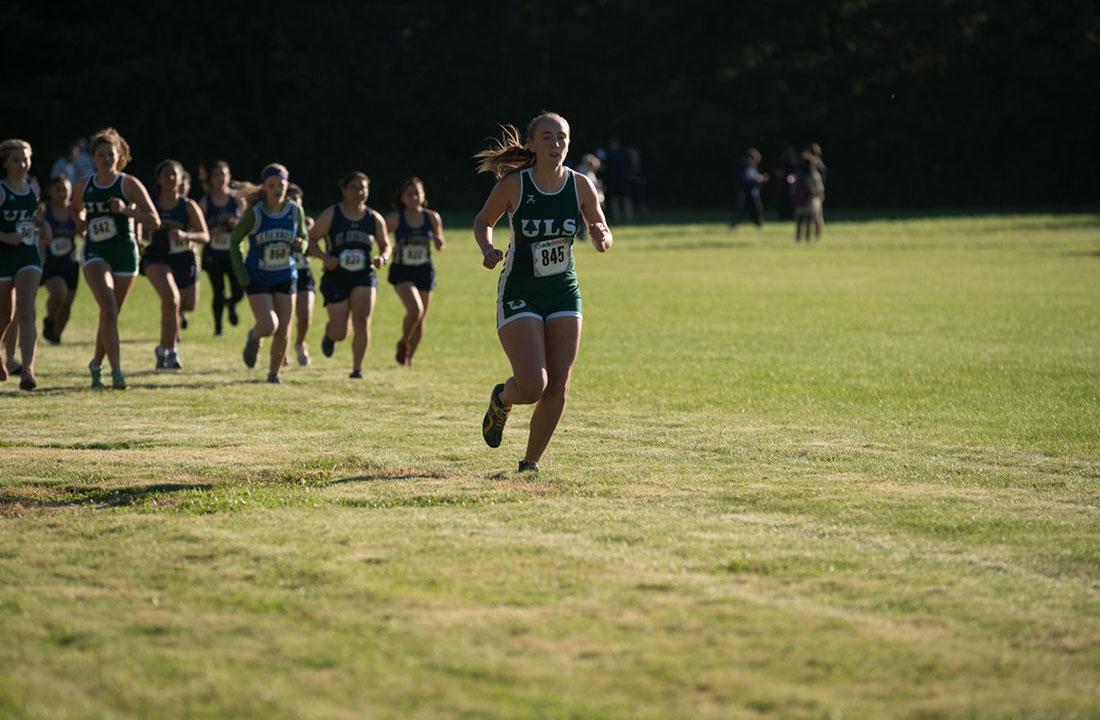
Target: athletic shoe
<point x="15" y="367"/>
<point x="251" y="349"/>
<point x="328" y="345"/>
<point x="528" y="466"/>
<point x="183" y="321"/>
<point x="492" y="427"/>
<point x="274" y="379"/>
<point x="27" y="383"/>
<point x="172" y="360"/>
<point x="356" y="375"/>
<point x="97" y="376"/>
<point x="232" y="311"/>
<point x="402" y="354"/>
<point x="303" y="354"/>
<point x="159" y="352"/>
<point x="217" y="327"/>
<point x="118" y="382"/>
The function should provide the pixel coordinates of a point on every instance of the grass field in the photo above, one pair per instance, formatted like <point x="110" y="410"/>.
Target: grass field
<point x="857" y="479"/>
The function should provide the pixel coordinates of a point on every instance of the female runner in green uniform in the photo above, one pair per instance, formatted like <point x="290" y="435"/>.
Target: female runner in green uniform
<point x="538" y="297"/>
<point x="105" y="207"/>
<point x="23" y="236"/>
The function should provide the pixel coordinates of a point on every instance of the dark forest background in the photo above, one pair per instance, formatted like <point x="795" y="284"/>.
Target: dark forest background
<point x="917" y="104"/>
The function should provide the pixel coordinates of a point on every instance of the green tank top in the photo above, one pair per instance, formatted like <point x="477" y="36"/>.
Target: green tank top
<point x="17" y="213"/>
<point x="540" y="254"/>
<point x="104" y="225"/>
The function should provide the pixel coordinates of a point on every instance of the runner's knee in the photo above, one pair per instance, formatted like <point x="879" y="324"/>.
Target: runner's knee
<point x="530" y="386"/>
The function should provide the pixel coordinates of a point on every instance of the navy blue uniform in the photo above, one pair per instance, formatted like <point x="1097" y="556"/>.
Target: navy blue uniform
<point x="216" y="260"/>
<point x="61" y="258"/>
<point x="350" y="241"/>
<point x="178" y="255"/>
<point x="412" y="256"/>
<point x="215" y="256"/>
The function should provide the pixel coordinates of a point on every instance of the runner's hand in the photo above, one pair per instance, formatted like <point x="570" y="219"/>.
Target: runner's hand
<point x="492" y="257"/>
<point x="601" y="236"/>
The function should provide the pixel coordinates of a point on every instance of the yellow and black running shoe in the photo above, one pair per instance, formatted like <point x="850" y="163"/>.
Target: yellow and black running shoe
<point x="492" y="427"/>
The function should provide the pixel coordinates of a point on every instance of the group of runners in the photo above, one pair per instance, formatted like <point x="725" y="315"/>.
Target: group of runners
<point x="255" y="239"/>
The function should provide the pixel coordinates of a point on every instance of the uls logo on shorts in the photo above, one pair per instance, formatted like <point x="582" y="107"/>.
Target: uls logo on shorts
<point x="516" y="304"/>
<point x="531" y="199"/>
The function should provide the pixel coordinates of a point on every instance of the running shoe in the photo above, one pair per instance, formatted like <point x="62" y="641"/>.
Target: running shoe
<point x="28" y="383"/>
<point x="232" y="311"/>
<point x="159" y="352"/>
<point x="118" y="382"/>
<point x="274" y="379"/>
<point x="183" y="321"/>
<point x="303" y="354"/>
<point x="172" y="360"/>
<point x="251" y="349"/>
<point x="402" y="354"/>
<point x="492" y="427"/>
<point x="528" y="466"/>
<point x="328" y="345"/>
<point x="97" y="376"/>
<point x="14" y="367"/>
<point x="356" y="375"/>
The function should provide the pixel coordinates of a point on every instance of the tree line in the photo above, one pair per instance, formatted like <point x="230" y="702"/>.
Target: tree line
<point x="916" y="104"/>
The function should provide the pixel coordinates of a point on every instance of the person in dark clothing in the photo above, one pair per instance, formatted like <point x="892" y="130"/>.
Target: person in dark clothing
<point x="617" y="172"/>
<point x="749" y="180"/>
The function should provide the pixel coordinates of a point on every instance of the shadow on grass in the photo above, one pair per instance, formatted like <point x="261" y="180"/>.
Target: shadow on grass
<point x="1082" y="253"/>
<point x="57" y="497"/>
<point x="388" y="474"/>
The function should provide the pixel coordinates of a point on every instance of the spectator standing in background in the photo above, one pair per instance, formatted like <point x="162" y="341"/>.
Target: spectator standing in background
<point x="617" y="172"/>
<point x="749" y="180"/>
<point x="787" y="170"/>
<point x="65" y="166"/>
<point x="809" y="189"/>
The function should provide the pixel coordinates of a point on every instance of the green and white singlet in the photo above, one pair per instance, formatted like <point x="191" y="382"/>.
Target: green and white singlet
<point x="540" y="277"/>
<point x="109" y="235"/>
<point x="17" y="211"/>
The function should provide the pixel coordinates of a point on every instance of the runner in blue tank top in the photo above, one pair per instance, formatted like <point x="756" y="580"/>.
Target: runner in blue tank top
<point x="349" y="283"/>
<point x="105" y="207"/>
<point x="415" y="229"/>
<point x="23" y="235"/>
<point x="222" y="211"/>
<point x="61" y="272"/>
<point x="538" y="305"/>
<point x="169" y="260"/>
<point x="275" y="229"/>
<point x="304" y="301"/>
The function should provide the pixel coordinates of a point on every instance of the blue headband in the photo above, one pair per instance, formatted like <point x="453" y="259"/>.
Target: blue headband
<point x="272" y="172"/>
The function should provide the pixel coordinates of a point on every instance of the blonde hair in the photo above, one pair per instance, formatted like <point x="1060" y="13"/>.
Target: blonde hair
<point x="111" y="137"/>
<point x="255" y="193"/>
<point x="6" y="149"/>
<point x="510" y="152"/>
